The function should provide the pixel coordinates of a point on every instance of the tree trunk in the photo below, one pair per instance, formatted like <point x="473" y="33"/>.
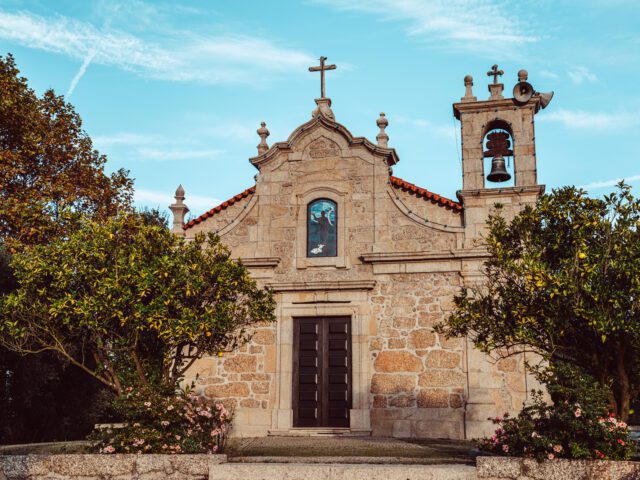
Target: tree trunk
<point x="624" y="389"/>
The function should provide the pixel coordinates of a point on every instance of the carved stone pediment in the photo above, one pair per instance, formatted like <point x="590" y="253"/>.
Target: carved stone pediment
<point x="323" y="148"/>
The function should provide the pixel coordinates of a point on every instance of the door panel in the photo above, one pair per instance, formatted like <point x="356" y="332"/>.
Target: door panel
<point x="322" y="372"/>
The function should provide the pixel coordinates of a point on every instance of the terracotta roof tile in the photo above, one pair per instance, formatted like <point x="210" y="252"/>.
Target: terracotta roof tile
<point x="248" y="192"/>
<point x="426" y="194"/>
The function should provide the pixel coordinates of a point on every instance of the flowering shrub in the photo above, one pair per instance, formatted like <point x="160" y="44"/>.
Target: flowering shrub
<point x="577" y="425"/>
<point x="157" y="423"/>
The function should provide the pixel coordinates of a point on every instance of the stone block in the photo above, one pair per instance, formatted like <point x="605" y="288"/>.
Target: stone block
<point x="422" y="338"/>
<point x="441" y="378"/>
<point x="241" y="363"/>
<point x="397" y="361"/>
<point x="392" y="384"/>
<point x="264" y="337"/>
<point x="234" y="389"/>
<point x="443" y="359"/>
<point x="433" y="398"/>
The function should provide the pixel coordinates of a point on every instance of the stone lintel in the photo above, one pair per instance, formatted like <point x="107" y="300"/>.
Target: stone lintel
<point x="323" y="285"/>
<point x="261" y="262"/>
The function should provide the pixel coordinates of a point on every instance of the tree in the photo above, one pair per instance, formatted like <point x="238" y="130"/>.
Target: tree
<point x="130" y="303"/>
<point x="563" y="281"/>
<point x="48" y="165"/>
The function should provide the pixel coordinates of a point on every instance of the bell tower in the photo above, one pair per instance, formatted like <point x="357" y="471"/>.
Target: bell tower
<point x="498" y="150"/>
<point x="498" y="167"/>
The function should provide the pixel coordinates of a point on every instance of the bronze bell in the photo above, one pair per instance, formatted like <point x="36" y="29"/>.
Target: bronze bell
<point x="498" y="171"/>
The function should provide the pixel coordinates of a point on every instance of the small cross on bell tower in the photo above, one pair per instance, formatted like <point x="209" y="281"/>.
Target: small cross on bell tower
<point x="495" y="88"/>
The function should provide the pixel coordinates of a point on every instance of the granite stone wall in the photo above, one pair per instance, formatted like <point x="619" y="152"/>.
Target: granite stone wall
<point x="507" y="468"/>
<point x="108" y="467"/>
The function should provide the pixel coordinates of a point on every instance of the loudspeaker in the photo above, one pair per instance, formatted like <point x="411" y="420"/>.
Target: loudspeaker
<point x="545" y="99"/>
<point x="522" y="92"/>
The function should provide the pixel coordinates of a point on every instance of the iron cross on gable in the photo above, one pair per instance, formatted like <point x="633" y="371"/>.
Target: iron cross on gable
<point x="495" y="73"/>
<point x="322" y="69"/>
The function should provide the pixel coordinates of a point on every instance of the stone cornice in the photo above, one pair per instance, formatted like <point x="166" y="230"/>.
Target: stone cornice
<point x="388" y="154"/>
<point x="498" y="192"/>
<point x="404" y="257"/>
<point x="261" y="262"/>
<point x="323" y="285"/>
<point x="490" y="105"/>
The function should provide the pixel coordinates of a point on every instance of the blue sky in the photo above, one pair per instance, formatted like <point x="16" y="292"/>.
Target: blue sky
<point x="174" y="91"/>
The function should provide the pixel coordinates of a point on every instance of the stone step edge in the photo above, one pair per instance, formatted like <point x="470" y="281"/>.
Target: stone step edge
<point x="348" y="460"/>
<point x="274" y="471"/>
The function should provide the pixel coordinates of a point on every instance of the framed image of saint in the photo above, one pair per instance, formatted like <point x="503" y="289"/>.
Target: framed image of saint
<point x="322" y="228"/>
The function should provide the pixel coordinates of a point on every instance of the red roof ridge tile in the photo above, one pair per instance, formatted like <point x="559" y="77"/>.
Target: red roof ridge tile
<point x="219" y="208"/>
<point x="424" y="193"/>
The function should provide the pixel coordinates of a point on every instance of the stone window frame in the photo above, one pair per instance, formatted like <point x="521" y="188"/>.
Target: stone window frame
<point x="304" y="199"/>
<point x="337" y="221"/>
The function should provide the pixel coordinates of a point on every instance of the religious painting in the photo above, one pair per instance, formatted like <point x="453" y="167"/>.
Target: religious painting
<point x="322" y="228"/>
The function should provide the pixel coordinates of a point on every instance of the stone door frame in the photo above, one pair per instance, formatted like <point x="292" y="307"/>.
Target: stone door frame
<point x="353" y="304"/>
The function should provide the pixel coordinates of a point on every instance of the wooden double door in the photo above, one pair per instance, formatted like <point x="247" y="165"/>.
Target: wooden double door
<point x="321" y="372"/>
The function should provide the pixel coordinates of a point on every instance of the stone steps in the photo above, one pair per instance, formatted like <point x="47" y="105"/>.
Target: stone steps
<point x="306" y="471"/>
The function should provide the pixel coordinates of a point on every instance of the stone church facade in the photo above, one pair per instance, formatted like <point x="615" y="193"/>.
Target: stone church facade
<point x="363" y="264"/>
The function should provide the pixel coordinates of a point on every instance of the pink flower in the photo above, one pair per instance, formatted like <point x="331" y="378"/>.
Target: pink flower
<point x="578" y="412"/>
<point x="551" y="456"/>
<point x="557" y="448"/>
<point x="164" y="423"/>
<point x="505" y="448"/>
<point x="147" y="404"/>
<point x="178" y="437"/>
<point x="169" y="408"/>
<point x="599" y="454"/>
<point x="108" y="449"/>
<point x="621" y="442"/>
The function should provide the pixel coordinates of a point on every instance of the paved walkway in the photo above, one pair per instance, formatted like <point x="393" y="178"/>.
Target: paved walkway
<point x="349" y="450"/>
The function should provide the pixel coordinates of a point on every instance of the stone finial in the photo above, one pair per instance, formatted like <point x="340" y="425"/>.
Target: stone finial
<point x="495" y="88"/>
<point x="323" y="108"/>
<point x="523" y="75"/>
<point x="179" y="210"/>
<point x="263" y="132"/>
<point x="382" y="137"/>
<point x="468" y="93"/>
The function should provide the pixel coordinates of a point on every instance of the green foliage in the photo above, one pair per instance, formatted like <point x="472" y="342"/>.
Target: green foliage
<point x="578" y="425"/>
<point x="160" y="422"/>
<point x="48" y="165"/>
<point x="563" y="280"/>
<point x="129" y="302"/>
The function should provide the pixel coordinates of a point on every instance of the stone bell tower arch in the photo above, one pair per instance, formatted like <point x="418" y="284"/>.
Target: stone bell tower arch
<point x="495" y="128"/>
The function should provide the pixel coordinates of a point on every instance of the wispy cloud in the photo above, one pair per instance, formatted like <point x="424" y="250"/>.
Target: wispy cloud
<point x="610" y="183"/>
<point x="581" y="120"/>
<point x="467" y="25"/>
<point x="548" y="74"/>
<point x="580" y="74"/>
<point x="177" y="56"/>
<point x="176" y="154"/>
<point x="438" y="130"/>
<point x="155" y="147"/>
<point x="155" y="198"/>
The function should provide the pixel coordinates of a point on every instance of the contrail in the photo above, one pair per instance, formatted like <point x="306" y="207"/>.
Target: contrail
<point x="79" y="75"/>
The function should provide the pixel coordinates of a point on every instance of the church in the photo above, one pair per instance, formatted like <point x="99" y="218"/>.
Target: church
<point x="363" y="264"/>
